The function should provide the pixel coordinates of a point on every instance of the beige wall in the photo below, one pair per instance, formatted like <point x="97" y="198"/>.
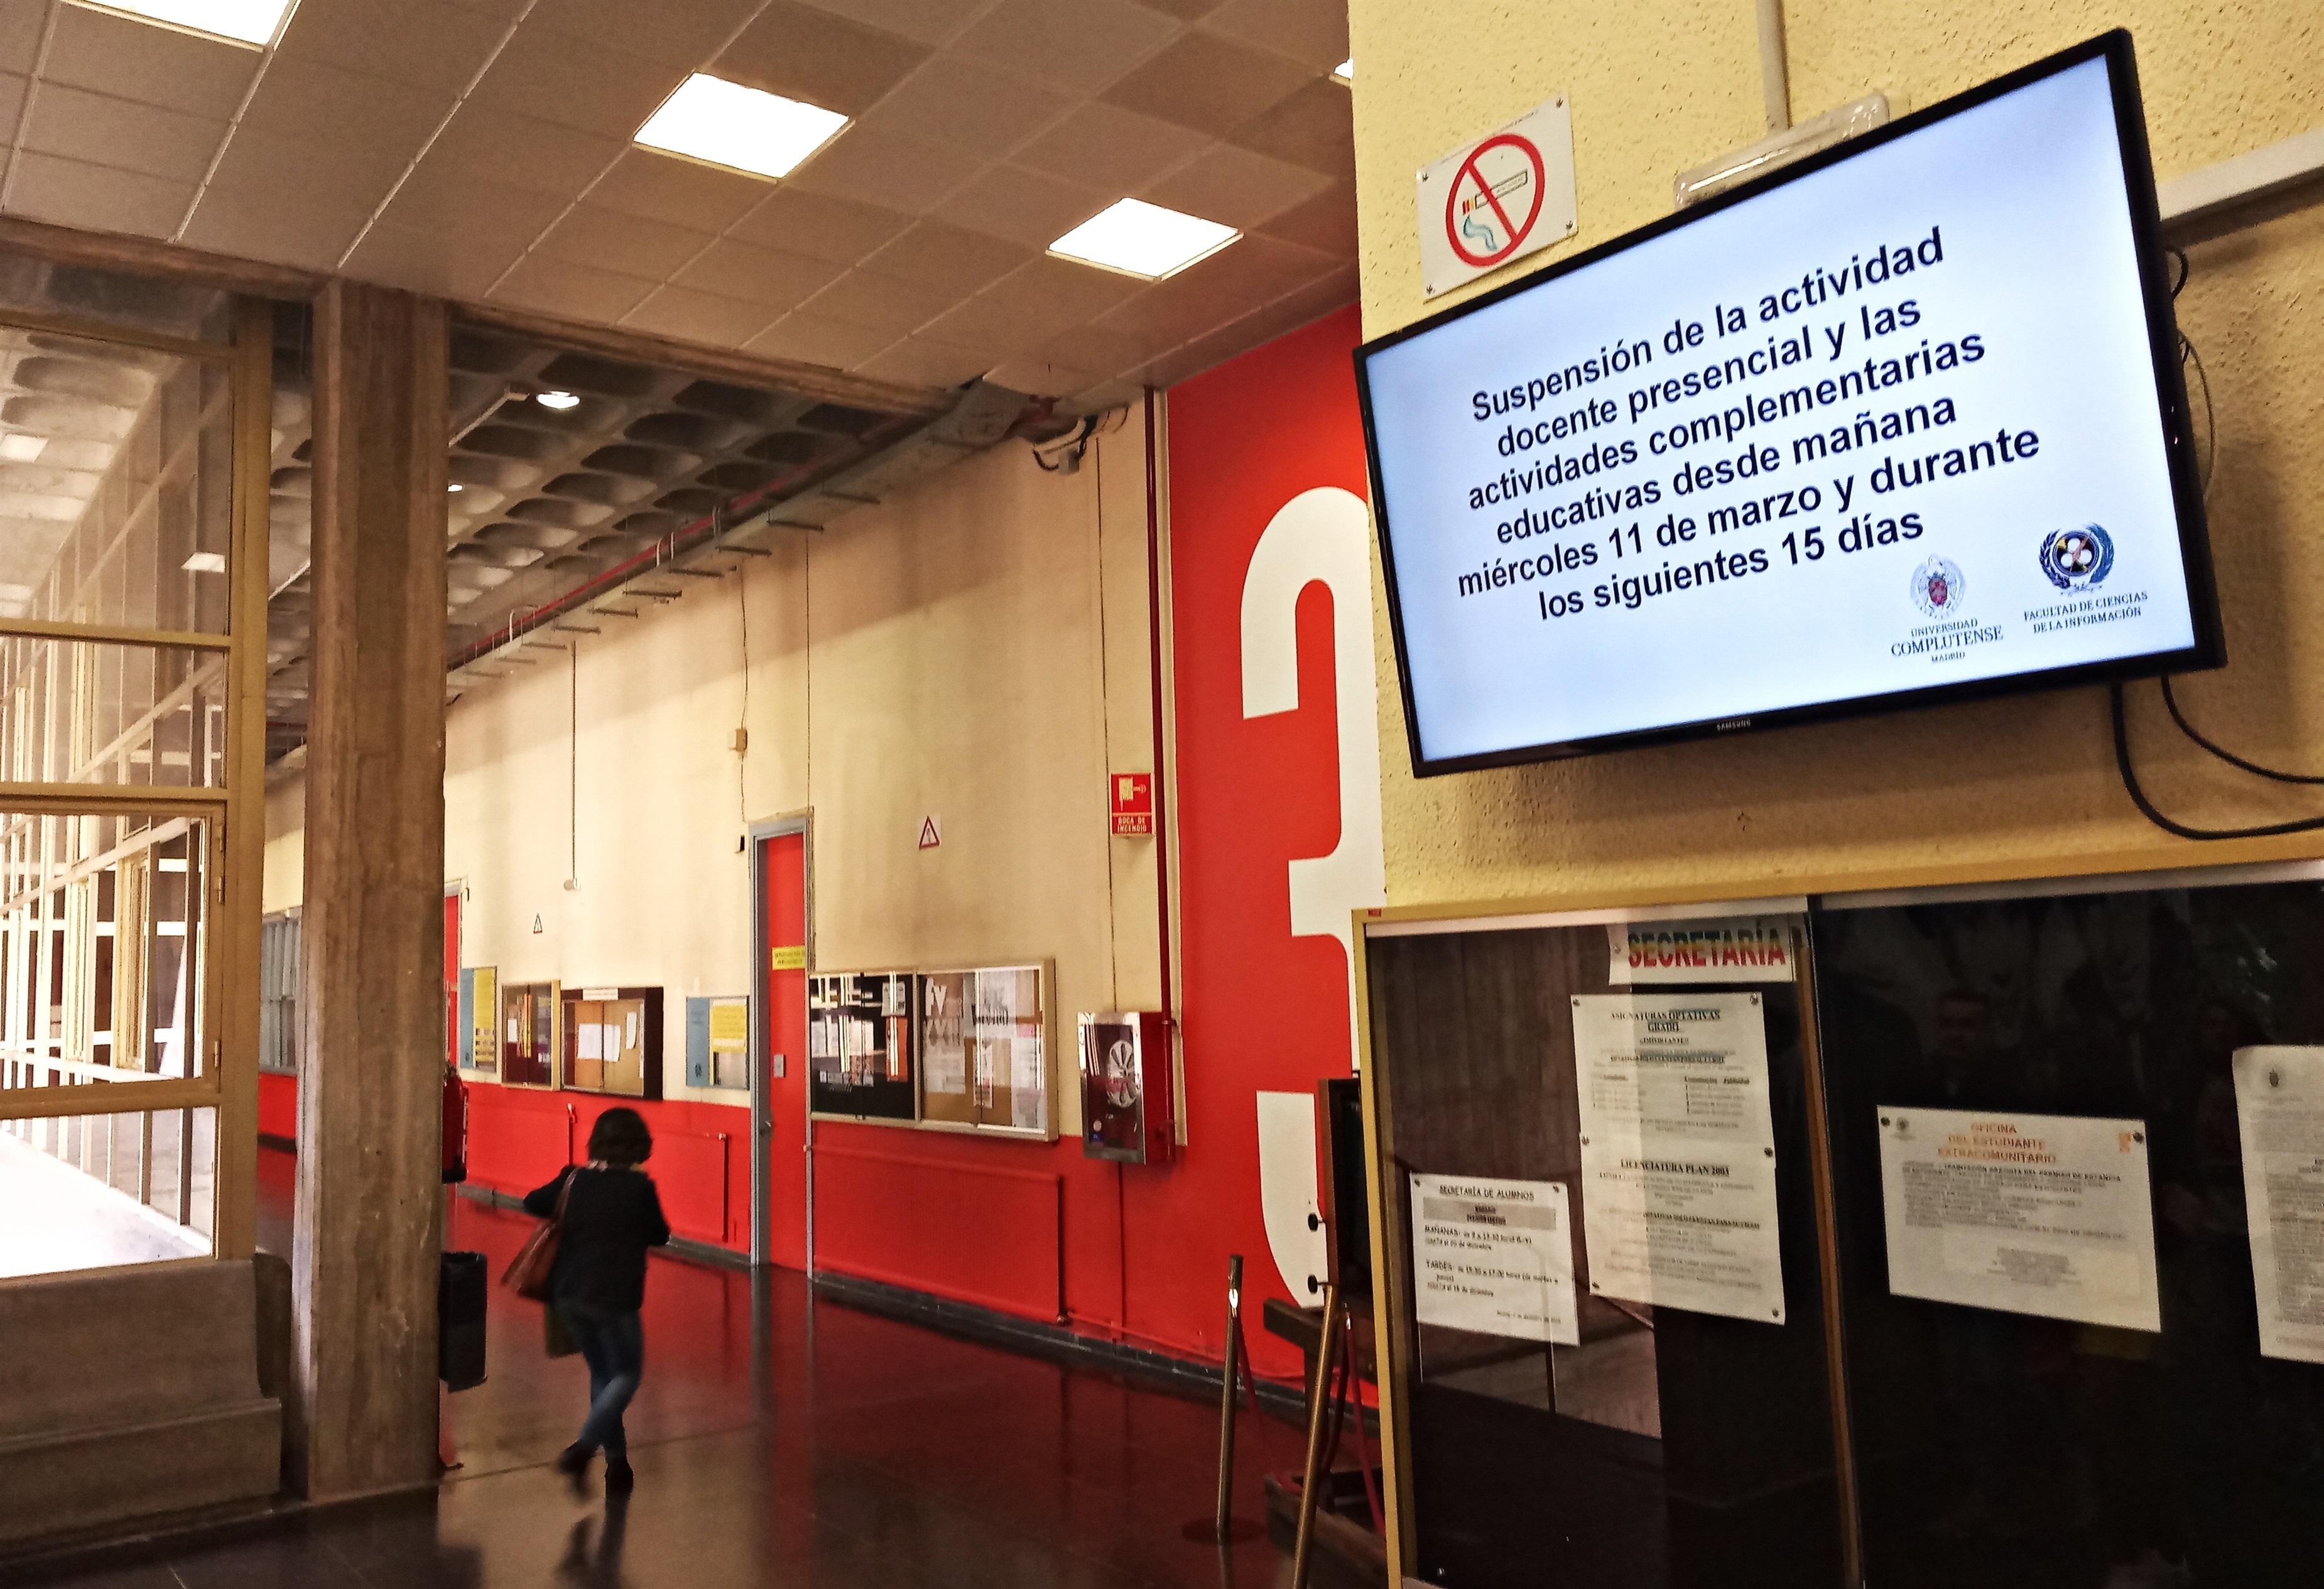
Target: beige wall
<point x="2023" y="786"/>
<point x="936" y="655"/>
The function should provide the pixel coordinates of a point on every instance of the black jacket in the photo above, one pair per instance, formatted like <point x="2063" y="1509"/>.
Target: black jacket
<point x="612" y="1217"/>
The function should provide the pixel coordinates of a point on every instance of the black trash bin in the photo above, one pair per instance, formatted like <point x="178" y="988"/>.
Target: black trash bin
<point x="460" y="1297"/>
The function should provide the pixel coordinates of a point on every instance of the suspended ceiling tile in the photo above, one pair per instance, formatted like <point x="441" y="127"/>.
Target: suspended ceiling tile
<point x="794" y="220"/>
<point x="95" y="197"/>
<point x="592" y="234"/>
<point x="1253" y="271"/>
<point x="119" y="55"/>
<point x="937" y="253"/>
<point x="1114" y="151"/>
<point x="450" y="261"/>
<point x="1163" y="317"/>
<point x="253" y="223"/>
<point x="368" y="122"/>
<point x="1212" y="83"/>
<point x="1081" y="45"/>
<point x="1024" y="207"/>
<point x="1184" y="10"/>
<point x="964" y="104"/>
<point x="80" y="125"/>
<point x="1326" y="222"/>
<point x="678" y="191"/>
<point x="924" y="361"/>
<point x="19" y="36"/>
<point x="884" y="303"/>
<point x="680" y="33"/>
<point x="12" y="101"/>
<point x="526" y="151"/>
<point x="817" y="340"/>
<point x="424" y="42"/>
<point x="452" y="199"/>
<point x="756" y="275"/>
<point x="1315" y="128"/>
<point x="1066" y="292"/>
<point x="1313" y="32"/>
<point x="802" y="53"/>
<point x="927" y="22"/>
<point x="577" y="292"/>
<point x="1236" y="187"/>
<point x="1115" y="394"/>
<point x="334" y="172"/>
<point x="700" y="317"/>
<point x="1089" y="347"/>
<point x="575" y="83"/>
<point x="873" y="167"/>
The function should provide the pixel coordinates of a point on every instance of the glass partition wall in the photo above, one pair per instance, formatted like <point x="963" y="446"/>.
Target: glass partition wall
<point x="134" y="441"/>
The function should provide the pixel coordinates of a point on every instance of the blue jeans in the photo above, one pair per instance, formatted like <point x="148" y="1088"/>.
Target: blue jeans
<point x="613" y="1346"/>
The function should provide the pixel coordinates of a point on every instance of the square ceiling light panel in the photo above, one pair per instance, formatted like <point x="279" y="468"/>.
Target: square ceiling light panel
<point x="246" y="22"/>
<point x="719" y="122"/>
<point x="1143" y="240"/>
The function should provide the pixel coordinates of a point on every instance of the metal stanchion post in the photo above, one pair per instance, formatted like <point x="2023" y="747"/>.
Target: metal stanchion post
<point x="1227" y="1393"/>
<point x="1326" y="1349"/>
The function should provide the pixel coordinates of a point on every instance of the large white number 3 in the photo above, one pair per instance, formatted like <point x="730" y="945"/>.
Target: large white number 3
<point x="1321" y="535"/>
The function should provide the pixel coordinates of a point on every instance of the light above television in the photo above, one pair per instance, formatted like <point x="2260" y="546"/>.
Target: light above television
<point x="1901" y="423"/>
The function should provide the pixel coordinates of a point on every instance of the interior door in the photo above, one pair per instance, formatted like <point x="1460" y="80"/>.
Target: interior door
<point x="778" y="1096"/>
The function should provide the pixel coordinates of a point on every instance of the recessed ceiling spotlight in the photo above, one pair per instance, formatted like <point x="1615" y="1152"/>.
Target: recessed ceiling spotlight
<point x="559" y="401"/>
<point x="245" y="21"/>
<point x="1141" y="239"/>
<point x="206" y="563"/>
<point x="743" y="129"/>
<point x="454" y="486"/>
<point x="1345" y="71"/>
<point x="21" y="449"/>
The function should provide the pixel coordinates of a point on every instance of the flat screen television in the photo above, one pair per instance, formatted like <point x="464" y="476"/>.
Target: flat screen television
<point x="1903" y="423"/>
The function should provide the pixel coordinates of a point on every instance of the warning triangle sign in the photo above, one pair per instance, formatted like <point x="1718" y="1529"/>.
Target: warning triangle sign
<point x="930" y="836"/>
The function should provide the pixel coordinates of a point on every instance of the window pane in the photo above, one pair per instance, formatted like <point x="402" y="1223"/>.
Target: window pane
<point x="98" y="1191"/>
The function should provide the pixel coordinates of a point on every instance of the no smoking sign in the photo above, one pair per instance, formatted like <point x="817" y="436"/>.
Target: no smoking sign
<point x="1508" y="195"/>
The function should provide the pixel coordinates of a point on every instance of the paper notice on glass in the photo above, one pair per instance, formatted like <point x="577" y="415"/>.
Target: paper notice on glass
<point x="592" y="1037"/>
<point x="2280" y="1103"/>
<point x="1494" y="1256"/>
<point x="1678" y="1152"/>
<point x="1027" y="1076"/>
<point x="2049" y="1215"/>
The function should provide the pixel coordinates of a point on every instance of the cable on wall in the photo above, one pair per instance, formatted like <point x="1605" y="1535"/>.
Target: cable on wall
<point x="573" y="773"/>
<point x="2138" y="797"/>
<point x="743" y="728"/>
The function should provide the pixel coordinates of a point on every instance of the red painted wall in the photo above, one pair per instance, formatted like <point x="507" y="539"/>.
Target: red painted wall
<point x="518" y="1137"/>
<point x="277" y="1105"/>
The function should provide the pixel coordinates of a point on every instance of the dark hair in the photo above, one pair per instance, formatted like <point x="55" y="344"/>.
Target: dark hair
<point x="621" y="1138"/>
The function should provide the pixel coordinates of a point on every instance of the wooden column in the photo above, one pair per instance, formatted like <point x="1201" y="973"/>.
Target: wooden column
<point x="371" y="973"/>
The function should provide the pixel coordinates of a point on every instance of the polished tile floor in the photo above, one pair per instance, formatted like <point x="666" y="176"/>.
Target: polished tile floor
<point x="785" y="1442"/>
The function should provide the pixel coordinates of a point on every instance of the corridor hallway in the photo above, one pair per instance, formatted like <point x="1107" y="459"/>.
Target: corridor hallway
<point x="779" y="1441"/>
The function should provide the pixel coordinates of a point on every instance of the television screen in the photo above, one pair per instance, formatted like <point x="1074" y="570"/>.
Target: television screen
<point x="1903" y="422"/>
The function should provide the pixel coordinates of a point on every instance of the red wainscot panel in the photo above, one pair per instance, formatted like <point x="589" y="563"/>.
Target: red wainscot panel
<point x="277" y="1105"/>
<point x="970" y="1233"/>
<point x="519" y="1139"/>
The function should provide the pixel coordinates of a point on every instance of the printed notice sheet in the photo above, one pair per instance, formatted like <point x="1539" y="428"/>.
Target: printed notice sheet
<point x="2042" y="1213"/>
<point x="1678" y="1152"/>
<point x="1494" y="1256"/>
<point x="2280" y="1102"/>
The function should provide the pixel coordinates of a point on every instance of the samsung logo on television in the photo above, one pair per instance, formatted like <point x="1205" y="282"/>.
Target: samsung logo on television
<point x="1731" y="725"/>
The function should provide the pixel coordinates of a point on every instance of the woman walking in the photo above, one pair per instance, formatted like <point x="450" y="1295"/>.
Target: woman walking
<point x="611" y="1214"/>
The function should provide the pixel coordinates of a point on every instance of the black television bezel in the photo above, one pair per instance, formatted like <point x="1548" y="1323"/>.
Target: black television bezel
<point x="2209" y="650"/>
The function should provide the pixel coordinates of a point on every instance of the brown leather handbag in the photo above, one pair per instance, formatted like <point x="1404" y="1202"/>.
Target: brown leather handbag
<point x="527" y="1272"/>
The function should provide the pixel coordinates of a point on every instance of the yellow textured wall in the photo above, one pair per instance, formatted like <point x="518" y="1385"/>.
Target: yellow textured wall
<point x="2024" y="786"/>
<point x="939" y="653"/>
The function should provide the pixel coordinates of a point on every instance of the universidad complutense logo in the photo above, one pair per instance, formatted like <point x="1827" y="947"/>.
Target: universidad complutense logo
<point x="1937" y="587"/>
<point x="2078" y="559"/>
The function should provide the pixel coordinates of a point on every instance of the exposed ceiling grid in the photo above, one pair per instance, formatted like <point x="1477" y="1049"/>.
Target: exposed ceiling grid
<point x="480" y="150"/>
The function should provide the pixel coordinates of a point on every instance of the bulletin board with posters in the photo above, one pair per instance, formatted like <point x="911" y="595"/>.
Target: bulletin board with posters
<point x="1913" y="1237"/>
<point x="613" y="1040"/>
<point x="860" y="1047"/>
<point x="988" y="1050"/>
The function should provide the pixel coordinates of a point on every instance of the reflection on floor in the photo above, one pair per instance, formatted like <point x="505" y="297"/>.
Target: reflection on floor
<point x="55" y="1216"/>
<point x="783" y="1441"/>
